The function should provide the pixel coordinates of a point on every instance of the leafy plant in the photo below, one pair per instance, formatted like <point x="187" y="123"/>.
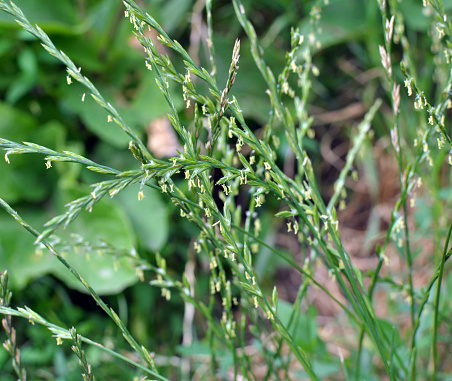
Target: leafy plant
<point x="228" y="179"/>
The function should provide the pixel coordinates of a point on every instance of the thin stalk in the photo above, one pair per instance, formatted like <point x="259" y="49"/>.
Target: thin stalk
<point x="373" y="282"/>
<point x="109" y="311"/>
<point x="210" y="44"/>
<point x="446" y="255"/>
<point x="73" y="71"/>
<point x="63" y="333"/>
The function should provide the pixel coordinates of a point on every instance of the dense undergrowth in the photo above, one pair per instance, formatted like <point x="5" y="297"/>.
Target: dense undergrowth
<point x="211" y="190"/>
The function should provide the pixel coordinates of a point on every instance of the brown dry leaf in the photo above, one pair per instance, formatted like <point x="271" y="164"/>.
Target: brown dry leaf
<point x="152" y="34"/>
<point x="162" y="140"/>
<point x="349" y="112"/>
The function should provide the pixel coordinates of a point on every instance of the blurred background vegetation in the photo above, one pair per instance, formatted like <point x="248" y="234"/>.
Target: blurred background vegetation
<point x="38" y="105"/>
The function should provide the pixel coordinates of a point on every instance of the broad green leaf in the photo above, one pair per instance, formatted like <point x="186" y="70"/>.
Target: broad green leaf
<point x="149" y="217"/>
<point x="27" y="78"/>
<point x="14" y="123"/>
<point x="174" y="14"/>
<point x="26" y="177"/>
<point x="107" y="272"/>
<point x="93" y="116"/>
<point x="18" y="255"/>
<point x="148" y="102"/>
<point x="341" y="21"/>
<point x="53" y="16"/>
<point x="303" y="327"/>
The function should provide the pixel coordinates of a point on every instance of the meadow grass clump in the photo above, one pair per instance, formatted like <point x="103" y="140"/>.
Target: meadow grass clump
<point x="233" y="188"/>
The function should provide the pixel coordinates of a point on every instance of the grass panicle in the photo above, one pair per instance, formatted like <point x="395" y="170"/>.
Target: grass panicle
<point x="227" y="178"/>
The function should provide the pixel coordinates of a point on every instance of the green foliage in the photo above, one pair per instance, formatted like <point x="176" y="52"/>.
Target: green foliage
<point x="187" y="248"/>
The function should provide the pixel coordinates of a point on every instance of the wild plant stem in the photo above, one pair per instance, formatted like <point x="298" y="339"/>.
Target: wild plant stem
<point x="90" y="290"/>
<point x="445" y="256"/>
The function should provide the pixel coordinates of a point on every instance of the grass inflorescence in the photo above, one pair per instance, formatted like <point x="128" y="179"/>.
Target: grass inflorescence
<point x="229" y="178"/>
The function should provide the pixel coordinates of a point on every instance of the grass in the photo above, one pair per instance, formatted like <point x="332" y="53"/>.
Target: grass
<point x="251" y="168"/>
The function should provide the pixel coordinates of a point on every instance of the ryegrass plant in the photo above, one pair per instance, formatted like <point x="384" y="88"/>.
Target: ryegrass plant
<point x="241" y="311"/>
